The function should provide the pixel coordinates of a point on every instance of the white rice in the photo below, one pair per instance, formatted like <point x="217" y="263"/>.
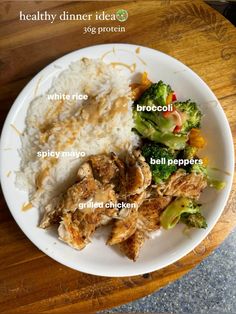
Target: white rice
<point x="56" y="126"/>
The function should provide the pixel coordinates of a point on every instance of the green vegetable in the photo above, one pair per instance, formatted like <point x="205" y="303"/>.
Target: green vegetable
<point x="146" y="126"/>
<point x="160" y="128"/>
<point x="189" y="152"/>
<point x="160" y="172"/>
<point x="211" y="181"/>
<point x="216" y="184"/>
<point x="157" y="119"/>
<point x="199" y="169"/>
<point x="156" y="94"/>
<point x="193" y="115"/>
<point x="196" y="220"/>
<point x="172" y="214"/>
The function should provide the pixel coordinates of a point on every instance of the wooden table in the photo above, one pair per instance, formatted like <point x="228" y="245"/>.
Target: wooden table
<point x="188" y="30"/>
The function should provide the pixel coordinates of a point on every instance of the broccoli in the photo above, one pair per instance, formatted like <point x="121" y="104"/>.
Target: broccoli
<point x="176" y="209"/>
<point x="148" y="129"/>
<point x="216" y="184"/>
<point x="199" y="169"/>
<point x="160" y="172"/>
<point x="157" y="127"/>
<point x="156" y="94"/>
<point x="196" y="220"/>
<point x="193" y="115"/>
<point x="212" y="182"/>
<point x="190" y="152"/>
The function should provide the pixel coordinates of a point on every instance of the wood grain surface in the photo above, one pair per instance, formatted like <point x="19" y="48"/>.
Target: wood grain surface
<point x="31" y="282"/>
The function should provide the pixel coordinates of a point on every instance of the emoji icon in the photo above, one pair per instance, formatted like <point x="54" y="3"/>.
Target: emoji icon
<point x="122" y="15"/>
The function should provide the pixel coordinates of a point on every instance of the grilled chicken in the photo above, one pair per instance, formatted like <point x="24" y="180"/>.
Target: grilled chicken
<point x="120" y="179"/>
<point x="138" y="174"/>
<point x="94" y="175"/>
<point x="87" y="189"/>
<point x="131" y="247"/>
<point x="77" y="228"/>
<point x="183" y="184"/>
<point x="137" y="199"/>
<point x="106" y="179"/>
<point x="69" y="201"/>
<point x="149" y="213"/>
<point x="104" y="168"/>
<point x="124" y="228"/>
<point x="51" y="214"/>
<point x="142" y="221"/>
<point x="85" y="171"/>
<point x="78" y="193"/>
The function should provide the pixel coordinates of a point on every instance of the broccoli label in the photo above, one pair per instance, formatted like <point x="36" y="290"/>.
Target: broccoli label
<point x="155" y="108"/>
<point x="178" y="162"/>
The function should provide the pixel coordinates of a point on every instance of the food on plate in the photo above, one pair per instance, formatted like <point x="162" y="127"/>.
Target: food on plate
<point x="160" y="172"/>
<point x="140" y="169"/>
<point x="181" y="208"/>
<point x="101" y="123"/>
<point x="170" y="127"/>
<point x="182" y="183"/>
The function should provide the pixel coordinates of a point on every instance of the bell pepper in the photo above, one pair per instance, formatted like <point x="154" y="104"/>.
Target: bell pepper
<point x="174" y="98"/>
<point x="177" y="129"/>
<point x="196" y="139"/>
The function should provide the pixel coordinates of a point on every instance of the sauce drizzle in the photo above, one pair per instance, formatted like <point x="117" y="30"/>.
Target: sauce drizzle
<point x="8" y="174"/>
<point x="26" y="206"/>
<point x="131" y="67"/>
<point x="16" y="130"/>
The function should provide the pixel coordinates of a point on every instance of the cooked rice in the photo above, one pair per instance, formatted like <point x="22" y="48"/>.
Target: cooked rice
<point x="100" y="124"/>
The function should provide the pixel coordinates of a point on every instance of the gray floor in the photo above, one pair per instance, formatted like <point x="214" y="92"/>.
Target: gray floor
<point x="209" y="288"/>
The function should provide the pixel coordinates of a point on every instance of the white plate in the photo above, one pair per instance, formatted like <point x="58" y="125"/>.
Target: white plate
<point x="97" y="258"/>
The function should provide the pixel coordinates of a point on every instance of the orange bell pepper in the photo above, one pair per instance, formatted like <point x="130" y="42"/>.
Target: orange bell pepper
<point x="139" y="88"/>
<point x="196" y="139"/>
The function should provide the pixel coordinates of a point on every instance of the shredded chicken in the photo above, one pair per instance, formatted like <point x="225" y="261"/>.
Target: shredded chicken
<point x="183" y="184"/>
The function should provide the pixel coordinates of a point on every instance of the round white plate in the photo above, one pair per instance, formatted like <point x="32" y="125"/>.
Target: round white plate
<point x="98" y="258"/>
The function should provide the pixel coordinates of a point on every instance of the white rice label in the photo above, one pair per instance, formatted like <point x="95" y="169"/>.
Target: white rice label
<point x="67" y="96"/>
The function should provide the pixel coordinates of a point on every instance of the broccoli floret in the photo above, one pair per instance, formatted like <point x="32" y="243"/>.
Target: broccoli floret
<point x="216" y="184"/>
<point x="211" y="181"/>
<point x="156" y="94"/>
<point x="199" y="169"/>
<point x="189" y="152"/>
<point x="157" y="127"/>
<point x="196" y="220"/>
<point x="193" y="115"/>
<point x="160" y="172"/>
<point x="151" y="126"/>
<point x="174" y="211"/>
